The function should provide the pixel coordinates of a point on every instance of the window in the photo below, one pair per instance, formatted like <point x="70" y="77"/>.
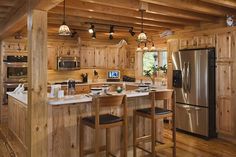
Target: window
<point x="149" y="61"/>
<point x="154" y="59"/>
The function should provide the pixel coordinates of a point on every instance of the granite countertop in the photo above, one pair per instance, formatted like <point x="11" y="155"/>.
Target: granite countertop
<point x="74" y="99"/>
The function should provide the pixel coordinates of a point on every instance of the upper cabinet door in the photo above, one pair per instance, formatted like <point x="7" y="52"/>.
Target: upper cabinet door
<point x="112" y="58"/>
<point x="205" y="41"/>
<point x="223" y="46"/>
<point x="100" y="57"/>
<point x="87" y="57"/>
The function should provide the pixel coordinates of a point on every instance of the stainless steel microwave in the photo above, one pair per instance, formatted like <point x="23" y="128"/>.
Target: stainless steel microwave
<point x="68" y="63"/>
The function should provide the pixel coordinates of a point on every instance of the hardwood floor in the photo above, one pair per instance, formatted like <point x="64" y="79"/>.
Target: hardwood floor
<point x="187" y="146"/>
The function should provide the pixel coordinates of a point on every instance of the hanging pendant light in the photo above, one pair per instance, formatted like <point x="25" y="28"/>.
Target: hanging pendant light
<point x="142" y="37"/>
<point x="64" y="30"/>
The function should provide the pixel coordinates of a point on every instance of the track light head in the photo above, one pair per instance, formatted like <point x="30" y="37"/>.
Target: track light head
<point x="110" y="36"/>
<point x="111" y="30"/>
<point x="131" y="31"/>
<point x="94" y="35"/>
<point x="91" y="29"/>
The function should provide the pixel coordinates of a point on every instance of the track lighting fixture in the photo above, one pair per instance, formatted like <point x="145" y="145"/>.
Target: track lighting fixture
<point x="94" y="35"/>
<point x="91" y="29"/>
<point x="131" y="31"/>
<point x="111" y="30"/>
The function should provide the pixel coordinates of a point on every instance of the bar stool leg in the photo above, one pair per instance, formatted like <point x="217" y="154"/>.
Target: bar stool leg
<point x="97" y="150"/>
<point x="125" y="139"/>
<point x="153" y="132"/>
<point x="81" y="139"/>
<point x="134" y="134"/>
<point x="108" y="141"/>
<point x="174" y="134"/>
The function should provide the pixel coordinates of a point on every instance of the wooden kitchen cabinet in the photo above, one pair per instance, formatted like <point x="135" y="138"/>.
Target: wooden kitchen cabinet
<point x="93" y="57"/>
<point x="68" y="50"/>
<point x="225" y="124"/>
<point x="112" y="57"/>
<point x="223" y="46"/>
<point x="17" y="118"/>
<point x="100" y="57"/>
<point x="224" y="79"/>
<point x="205" y="41"/>
<point x="87" y="57"/>
<point x="187" y="43"/>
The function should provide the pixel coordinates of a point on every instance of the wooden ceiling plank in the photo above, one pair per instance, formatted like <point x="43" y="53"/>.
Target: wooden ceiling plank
<point x="195" y="6"/>
<point x="9" y="3"/>
<point x="18" y="17"/>
<point x="225" y="3"/>
<point x="77" y="25"/>
<point x="134" y="5"/>
<point x="87" y="14"/>
<point x="87" y="6"/>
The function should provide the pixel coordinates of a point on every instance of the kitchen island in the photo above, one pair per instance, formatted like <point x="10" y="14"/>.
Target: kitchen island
<point x="64" y="121"/>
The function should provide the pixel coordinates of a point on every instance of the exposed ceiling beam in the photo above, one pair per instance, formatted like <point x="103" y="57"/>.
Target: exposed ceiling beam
<point x="87" y="6"/>
<point x="225" y="3"/>
<point x="18" y="17"/>
<point x="9" y="3"/>
<point x="195" y="6"/>
<point x="102" y="16"/>
<point x="80" y="25"/>
<point x="5" y="8"/>
<point x="157" y="9"/>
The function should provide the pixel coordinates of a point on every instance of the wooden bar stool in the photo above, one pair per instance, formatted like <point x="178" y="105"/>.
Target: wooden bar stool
<point x="105" y="121"/>
<point x="154" y="113"/>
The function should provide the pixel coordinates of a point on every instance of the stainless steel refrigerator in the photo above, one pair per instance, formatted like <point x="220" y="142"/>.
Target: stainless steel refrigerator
<point x="194" y="83"/>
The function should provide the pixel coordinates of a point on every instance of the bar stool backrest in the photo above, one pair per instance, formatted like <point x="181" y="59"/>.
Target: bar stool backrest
<point x="110" y="101"/>
<point x="164" y="95"/>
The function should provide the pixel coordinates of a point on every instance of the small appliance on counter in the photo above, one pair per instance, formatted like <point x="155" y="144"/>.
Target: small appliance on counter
<point x="71" y="87"/>
<point x="54" y="91"/>
<point x="113" y="76"/>
<point x="128" y="79"/>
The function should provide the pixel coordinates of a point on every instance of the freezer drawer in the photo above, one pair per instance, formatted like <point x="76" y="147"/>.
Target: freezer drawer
<point x="192" y="119"/>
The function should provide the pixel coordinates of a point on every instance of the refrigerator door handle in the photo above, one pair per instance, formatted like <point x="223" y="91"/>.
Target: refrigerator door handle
<point x="188" y="77"/>
<point x="185" y="77"/>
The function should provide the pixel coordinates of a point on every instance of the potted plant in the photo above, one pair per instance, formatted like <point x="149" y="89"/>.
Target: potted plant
<point x="152" y="73"/>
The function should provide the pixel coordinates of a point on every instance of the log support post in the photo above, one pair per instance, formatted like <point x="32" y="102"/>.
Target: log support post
<point x="37" y="128"/>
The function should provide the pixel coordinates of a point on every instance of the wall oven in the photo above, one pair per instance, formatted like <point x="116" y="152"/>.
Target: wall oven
<point x="68" y="63"/>
<point x="15" y="72"/>
<point x="15" y="69"/>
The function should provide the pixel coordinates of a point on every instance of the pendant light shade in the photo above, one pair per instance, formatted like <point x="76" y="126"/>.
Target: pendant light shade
<point x="64" y="30"/>
<point x="142" y="37"/>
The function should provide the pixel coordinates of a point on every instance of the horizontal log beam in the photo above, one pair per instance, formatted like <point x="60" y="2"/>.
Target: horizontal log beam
<point x="156" y="9"/>
<point x="194" y="6"/>
<point x="98" y="8"/>
<point x="102" y="16"/>
<point x="225" y="3"/>
<point x="18" y="17"/>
